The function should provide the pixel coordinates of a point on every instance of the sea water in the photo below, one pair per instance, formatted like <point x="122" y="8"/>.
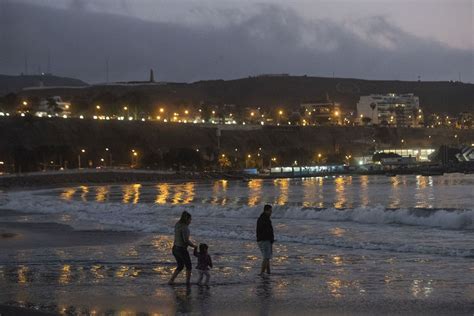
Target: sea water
<point x="351" y="238"/>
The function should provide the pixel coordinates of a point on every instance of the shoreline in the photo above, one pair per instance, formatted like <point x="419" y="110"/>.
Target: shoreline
<point x="39" y="180"/>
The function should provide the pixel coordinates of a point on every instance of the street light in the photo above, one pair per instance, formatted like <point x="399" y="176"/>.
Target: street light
<point x="273" y="159"/>
<point x="134" y="158"/>
<point x="79" y="158"/>
<point x="107" y="149"/>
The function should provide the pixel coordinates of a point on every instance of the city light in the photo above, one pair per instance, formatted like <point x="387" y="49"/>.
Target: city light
<point x="97" y="107"/>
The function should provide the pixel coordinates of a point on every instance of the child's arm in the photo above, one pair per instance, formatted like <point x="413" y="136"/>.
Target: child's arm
<point x="196" y="252"/>
<point x="210" y="261"/>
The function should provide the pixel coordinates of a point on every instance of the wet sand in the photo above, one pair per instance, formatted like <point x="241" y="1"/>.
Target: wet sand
<point x="53" y="269"/>
<point x="15" y="234"/>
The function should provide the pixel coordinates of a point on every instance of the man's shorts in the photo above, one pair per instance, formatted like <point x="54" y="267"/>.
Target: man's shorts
<point x="266" y="248"/>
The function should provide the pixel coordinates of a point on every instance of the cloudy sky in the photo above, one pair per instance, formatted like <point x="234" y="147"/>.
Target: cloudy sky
<point x="189" y="40"/>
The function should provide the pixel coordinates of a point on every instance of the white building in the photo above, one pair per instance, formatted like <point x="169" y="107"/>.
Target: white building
<point x="401" y="110"/>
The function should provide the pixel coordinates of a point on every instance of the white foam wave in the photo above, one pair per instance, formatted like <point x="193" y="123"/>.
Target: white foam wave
<point x="125" y="214"/>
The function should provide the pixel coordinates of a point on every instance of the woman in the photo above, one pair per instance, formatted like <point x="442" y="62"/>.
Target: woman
<point x="180" y="247"/>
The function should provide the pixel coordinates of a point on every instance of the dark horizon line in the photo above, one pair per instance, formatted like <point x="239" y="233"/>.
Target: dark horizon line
<point x="268" y="75"/>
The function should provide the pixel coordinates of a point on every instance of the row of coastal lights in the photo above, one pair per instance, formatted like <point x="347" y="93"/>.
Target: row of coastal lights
<point x="175" y="117"/>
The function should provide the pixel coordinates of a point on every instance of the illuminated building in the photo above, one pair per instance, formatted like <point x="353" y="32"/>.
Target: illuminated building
<point x="398" y="110"/>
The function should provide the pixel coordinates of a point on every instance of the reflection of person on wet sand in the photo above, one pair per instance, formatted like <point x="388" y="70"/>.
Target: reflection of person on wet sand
<point x="265" y="294"/>
<point x="183" y="300"/>
<point x="180" y="247"/>
<point x="265" y="238"/>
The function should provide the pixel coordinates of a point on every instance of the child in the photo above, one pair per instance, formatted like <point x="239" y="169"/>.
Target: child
<point x="204" y="263"/>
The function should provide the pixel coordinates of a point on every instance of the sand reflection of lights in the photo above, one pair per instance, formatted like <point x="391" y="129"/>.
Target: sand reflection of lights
<point x="337" y="232"/>
<point x="101" y="193"/>
<point x="22" y="274"/>
<point x="421" y="288"/>
<point x="283" y="186"/>
<point x="335" y="286"/>
<point x="125" y="271"/>
<point x="337" y="260"/>
<point x="68" y="194"/>
<point x="163" y="193"/>
<point x="65" y="276"/>
<point x="161" y="243"/>
<point x="255" y="194"/>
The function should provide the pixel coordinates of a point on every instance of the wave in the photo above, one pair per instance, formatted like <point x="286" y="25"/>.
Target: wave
<point x="237" y="222"/>
<point x="452" y="219"/>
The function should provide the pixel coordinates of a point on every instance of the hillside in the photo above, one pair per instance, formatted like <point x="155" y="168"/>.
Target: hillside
<point x="15" y="84"/>
<point x="270" y="92"/>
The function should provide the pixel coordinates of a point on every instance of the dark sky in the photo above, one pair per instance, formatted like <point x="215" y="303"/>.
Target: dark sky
<point x="193" y="40"/>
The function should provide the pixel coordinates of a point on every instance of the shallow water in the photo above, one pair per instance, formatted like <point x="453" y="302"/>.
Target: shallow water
<point x="344" y="244"/>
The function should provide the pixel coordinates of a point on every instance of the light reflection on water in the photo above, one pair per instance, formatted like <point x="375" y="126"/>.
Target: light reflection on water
<point x="65" y="276"/>
<point x="255" y="192"/>
<point x="163" y="193"/>
<point x="319" y="192"/>
<point x="282" y="185"/>
<point x="101" y="193"/>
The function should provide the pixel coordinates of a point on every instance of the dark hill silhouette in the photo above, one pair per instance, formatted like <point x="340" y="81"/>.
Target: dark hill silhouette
<point x="271" y="92"/>
<point x="14" y="84"/>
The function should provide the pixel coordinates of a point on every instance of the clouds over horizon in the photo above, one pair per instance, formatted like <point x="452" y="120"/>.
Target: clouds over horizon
<point x="272" y="39"/>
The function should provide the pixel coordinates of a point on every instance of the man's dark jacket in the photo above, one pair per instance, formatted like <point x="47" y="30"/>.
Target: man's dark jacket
<point x="264" y="228"/>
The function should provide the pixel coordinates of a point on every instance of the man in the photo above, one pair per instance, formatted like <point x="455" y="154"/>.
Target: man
<point x="265" y="237"/>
